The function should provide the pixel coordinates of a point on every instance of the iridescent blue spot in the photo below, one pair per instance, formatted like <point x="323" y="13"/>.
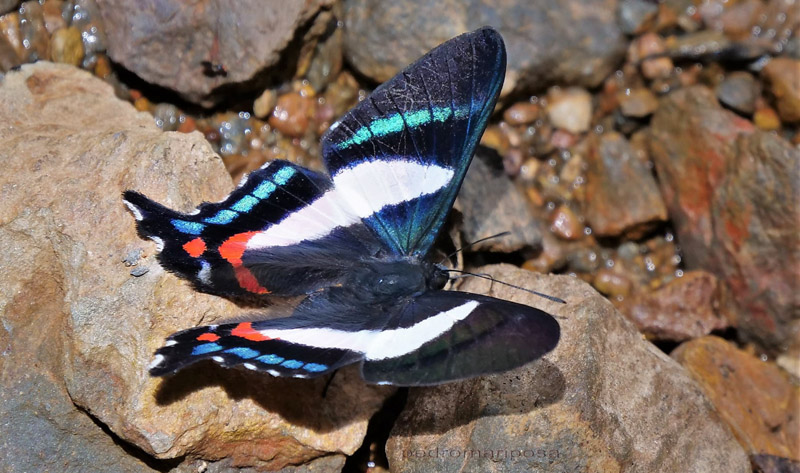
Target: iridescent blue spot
<point x="243" y="352"/>
<point x="223" y="217"/>
<point x="206" y="348"/>
<point x="245" y="204"/>
<point x="282" y="176"/>
<point x="190" y="228"/>
<point x="264" y="189"/>
<point x="270" y="359"/>
<point x="395" y="123"/>
<point x="315" y="367"/>
<point x="292" y="364"/>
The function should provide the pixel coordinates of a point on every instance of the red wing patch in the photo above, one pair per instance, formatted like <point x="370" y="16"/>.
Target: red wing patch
<point x="245" y="330"/>
<point x="195" y="247"/>
<point x="208" y="337"/>
<point x="232" y="250"/>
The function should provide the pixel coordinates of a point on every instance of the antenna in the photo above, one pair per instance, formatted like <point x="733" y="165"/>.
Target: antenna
<point x="501" y="234"/>
<point x="465" y="274"/>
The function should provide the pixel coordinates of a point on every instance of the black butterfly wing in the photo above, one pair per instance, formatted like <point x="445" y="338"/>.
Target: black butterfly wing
<point x="456" y="335"/>
<point x="429" y="339"/>
<point x="281" y="232"/>
<point x="400" y="155"/>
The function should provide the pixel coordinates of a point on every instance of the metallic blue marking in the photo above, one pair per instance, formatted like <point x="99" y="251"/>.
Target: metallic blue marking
<point x="395" y="123"/>
<point x="292" y="364"/>
<point x="243" y="352"/>
<point x="264" y="189"/>
<point x="315" y="367"/>
<point x="223" y="217"/>
<point x="190" y="228"/>
<point x="245" y="204"/>
<point x="270" y="359"/>
<point x="282" y="176"/>
<point x="206" y="348"/>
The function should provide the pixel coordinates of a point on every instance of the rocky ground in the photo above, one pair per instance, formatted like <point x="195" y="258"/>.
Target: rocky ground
<point x="644" y="158"/>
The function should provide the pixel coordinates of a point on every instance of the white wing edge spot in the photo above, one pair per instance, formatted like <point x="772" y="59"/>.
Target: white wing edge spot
<point x="169" y="343"/>
<point x="250" y="366"/>
<point x="156" y="361"/>
<point x="137" y="214"/>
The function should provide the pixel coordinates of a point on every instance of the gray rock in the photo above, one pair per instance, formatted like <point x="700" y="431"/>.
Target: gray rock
<point x="564" y="42"/>
<point x="604" y="400"/>
<point x="165" y="42"/>
<point x="8" y="5"/>
<point x="739" y="91"/>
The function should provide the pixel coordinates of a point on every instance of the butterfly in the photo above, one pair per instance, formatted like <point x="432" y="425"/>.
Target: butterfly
<point x="354" y="245"/>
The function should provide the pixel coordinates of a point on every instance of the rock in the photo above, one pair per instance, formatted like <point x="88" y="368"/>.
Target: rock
<point x="647" y="51"/>
<point x="79" y="330"/>
<point x="638" y="103"/>
<point x="739" y="91"/>
<point x="636" y="16"/>
<point x="265" y="103"/>
<point x="570" y="109"/>
<point x="166" y="42"/>
<point x="522" y="113"/>
<point x="766" y="118"/>
<point x="732" y="195"/>
<point x="603" y="400"/>
<point x="771" y="464"/>
<point x="622" y="197"/>
<point x="755" y="398"/>
<point x="565" y="224"/>
<point x="612" y="283"/>
<point x="9" y="58"/>
<point x="548" y="42"/>
<point x="330" y="463"/>
<point x="67" y="47"/>
<point x="292" y="114"/>
<point x="7" y="5"/>
<point x="491" y="204"/>
<point x="782" y="78"/>
<point x="683" y="309"/>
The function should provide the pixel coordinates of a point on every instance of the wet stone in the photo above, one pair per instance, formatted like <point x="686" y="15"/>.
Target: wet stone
<point x="570" y="109"/>
<point x="636" y="16"/>
<point x="265" y="103"/>
<point x="522" y="113"/>
<point x="622" y="196"/>
<point x="782" y="77"/>
<point x="651" y="45"/>
<point x="739" y="91"/>
<point x="167" y="116"/>
<point x="565" y="224"/>
<point x="612" y="283"/>
<point x="755" y="398"/>
<point x="638" y="103"/>
<point x="292" y="114"/>
<point x="67" y="46"/>
<point x="685" y="308"/>
<point x="767" y="119"/>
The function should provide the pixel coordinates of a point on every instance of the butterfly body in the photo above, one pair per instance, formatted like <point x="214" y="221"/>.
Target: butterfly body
<point x="355" y="244"/>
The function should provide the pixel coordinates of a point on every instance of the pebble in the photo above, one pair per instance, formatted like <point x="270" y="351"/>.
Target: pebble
<point x="565" y="224"/>
<point x="166" y="116"/>
<point x="611" y="283"/>
<point x="292" y="114"/>
<point x="265" y="103"/>
<point x="522" y="113"/>
<point x="66" y="46"/>
<point x="739" y="91"/>
<point x="637" y="16"/>
<point x="638" y="103"/>
<point x="651" y="44"/>
<point x="570" y="109"/>
<point x="782" y="78"/>
<point x="766" y="118"/>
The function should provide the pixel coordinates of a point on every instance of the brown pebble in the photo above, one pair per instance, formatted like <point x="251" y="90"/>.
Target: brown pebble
<point x="755" y="398"/>
<point x="767" y="119"/>
<point x="651" y="44"/>
<point x="265" y="103"/>
<point x="52" y="11"/>
<point x="522" y="113"/>
<point x="611" y="283"/>
<point x="570" y="109"/>
<point x="142" y="104"/>
<point x="187" y="124"/>
<point x="638" y="103"/>
<point x="782" y="76"/>
<point x="102" y="68"/>
<point x="565" y="224"/>
<point x="563" y="139"/>
<point x="66" y="46"/>
<point x="496" y="139"/>
<point x="292" y="114"/>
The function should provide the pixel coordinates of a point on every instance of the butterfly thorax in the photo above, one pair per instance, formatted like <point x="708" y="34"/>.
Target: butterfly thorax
<point x="392" y="279"/>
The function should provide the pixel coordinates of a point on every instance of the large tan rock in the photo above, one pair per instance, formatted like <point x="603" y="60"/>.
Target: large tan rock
<point x="73" y="312"/>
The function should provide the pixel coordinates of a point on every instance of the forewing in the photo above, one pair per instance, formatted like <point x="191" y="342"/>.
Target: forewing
<point x="401" y="154"/>
<point x="281" y="232"/>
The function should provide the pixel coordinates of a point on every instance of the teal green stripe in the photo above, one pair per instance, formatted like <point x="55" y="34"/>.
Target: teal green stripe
<point x="395" y="123"/>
